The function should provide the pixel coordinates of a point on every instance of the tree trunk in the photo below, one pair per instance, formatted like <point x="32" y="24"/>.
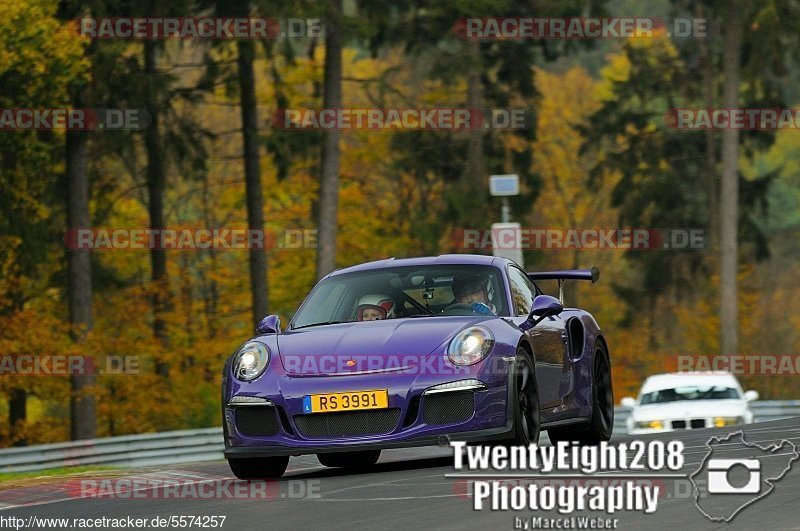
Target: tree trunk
<point x="729" y="189"/>
<point x="79" y="283"/>
<point x="252" y="178"/>
<point x="710" y="165"/>
<point x="328" y="202"/>
<point x="156" y="176"/>
<point x="475" y="172"/>
<point x="210" y="290"/>
<point x="17" y="415"/>
<point x="17" y="397"/>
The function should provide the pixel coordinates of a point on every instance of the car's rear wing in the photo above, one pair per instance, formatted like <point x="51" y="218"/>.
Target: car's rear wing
<point x="592" y="274"/>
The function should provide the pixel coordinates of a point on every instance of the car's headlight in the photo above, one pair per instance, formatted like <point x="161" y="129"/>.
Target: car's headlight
<point x="470" y="346"/>
<point x="250" y="361"/>
<point x="721" y="422"/>
<point x="650" y="425"/>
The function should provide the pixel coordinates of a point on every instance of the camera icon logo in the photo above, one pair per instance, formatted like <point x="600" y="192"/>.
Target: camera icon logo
<point x="718" y="482"/>
<point x="739" y="481"/>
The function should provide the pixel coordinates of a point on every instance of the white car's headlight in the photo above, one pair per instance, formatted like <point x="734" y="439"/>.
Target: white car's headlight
<point x="649" y="425"/>
<point x="720" y="422"/>
<point x="470" y="346"/>
<point x="250" y="361"/>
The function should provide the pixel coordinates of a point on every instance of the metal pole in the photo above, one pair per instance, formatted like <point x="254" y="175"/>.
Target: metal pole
<point x="505" y="213"/>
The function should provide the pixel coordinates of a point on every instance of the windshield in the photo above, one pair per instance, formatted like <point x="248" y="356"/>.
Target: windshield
<point x="403" y="292"/>
<point x="678" y="394"/>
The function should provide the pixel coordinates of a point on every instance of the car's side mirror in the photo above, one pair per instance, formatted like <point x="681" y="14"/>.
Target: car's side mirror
<point x="751" y="396"/>
<point x="628" y="402"/>
<point x="270" y="324"/>
<point x="543" y="306"/>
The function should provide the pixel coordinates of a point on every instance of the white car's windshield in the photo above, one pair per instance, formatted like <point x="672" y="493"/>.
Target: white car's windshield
<point x="693" y="392"/>
<point x="399" y="292"/>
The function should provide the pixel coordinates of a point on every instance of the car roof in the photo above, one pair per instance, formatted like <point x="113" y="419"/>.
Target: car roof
<point x="444" y="259"/>
<point x="679" y="379"/>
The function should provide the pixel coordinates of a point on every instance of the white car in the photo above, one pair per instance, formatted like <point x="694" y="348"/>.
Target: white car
<point x="689" y="400"/>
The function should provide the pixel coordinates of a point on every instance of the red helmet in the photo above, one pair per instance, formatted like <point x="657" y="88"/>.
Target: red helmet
<point x="382" y="303"/>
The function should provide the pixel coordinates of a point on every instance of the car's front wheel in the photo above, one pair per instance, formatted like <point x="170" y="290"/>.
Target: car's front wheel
<point x="360" y="459"/>
<point x="526" y="409"/>
<point x="259" y="467"/>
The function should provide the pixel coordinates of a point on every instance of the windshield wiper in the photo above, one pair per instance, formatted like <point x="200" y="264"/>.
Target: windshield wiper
<point x="318" y="324"/>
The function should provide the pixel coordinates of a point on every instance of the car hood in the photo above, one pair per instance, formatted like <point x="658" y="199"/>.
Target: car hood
<point x="690" y="409"/>
<point x="359" y="347"/>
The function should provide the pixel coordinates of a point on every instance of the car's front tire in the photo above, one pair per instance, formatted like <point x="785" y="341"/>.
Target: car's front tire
<point x="527" y="423"/>
<point x="602" y="422"/>
<point x="360" y="459"/>
<point x="259" y="467"/>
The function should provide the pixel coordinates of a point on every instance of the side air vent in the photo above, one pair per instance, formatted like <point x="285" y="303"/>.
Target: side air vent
<point x="576" y="337"/>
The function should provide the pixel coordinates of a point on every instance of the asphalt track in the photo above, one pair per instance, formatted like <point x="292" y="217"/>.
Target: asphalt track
<point x="408" y="489"/>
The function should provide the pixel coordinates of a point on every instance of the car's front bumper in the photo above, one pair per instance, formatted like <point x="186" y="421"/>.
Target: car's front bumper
<point x="696" y="422"/>
<point x="489" y="434"/>
<point x="489" y="418"/>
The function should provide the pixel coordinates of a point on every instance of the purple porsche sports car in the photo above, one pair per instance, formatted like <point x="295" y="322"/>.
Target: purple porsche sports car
<point x="416" y="352"/>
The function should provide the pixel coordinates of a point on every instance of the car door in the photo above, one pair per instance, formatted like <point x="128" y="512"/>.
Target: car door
<point x="548" y="339"/>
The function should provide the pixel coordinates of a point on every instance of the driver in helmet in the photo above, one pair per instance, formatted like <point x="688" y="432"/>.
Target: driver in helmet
<point x="473" y="291"/>
<point x="375" y="308"/>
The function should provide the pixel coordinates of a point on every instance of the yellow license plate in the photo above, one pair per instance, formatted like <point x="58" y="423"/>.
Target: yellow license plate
<point x="327" y="403"/>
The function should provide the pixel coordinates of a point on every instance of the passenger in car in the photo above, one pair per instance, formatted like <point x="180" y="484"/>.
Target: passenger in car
<point x="375" y="308"/>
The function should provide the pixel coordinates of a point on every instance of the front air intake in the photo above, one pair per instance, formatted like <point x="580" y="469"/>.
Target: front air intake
<point x="347" y="423"/>
<point x="256" y="421"/>
<point x="448" y="408"/>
